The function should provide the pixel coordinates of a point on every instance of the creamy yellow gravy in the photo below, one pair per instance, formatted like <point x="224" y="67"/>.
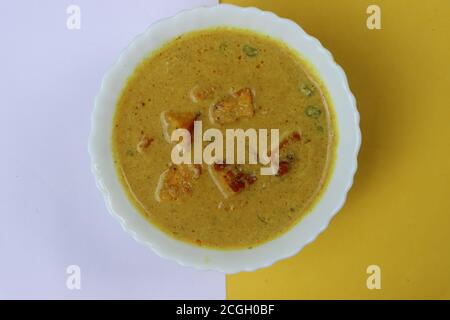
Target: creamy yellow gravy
<point x="194" y="72"/>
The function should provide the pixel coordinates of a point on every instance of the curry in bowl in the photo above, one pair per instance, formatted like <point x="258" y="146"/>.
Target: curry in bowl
<point x="225" y="78"/>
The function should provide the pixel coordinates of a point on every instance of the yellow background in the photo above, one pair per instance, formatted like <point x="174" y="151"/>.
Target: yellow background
<point x="397" y="214"/>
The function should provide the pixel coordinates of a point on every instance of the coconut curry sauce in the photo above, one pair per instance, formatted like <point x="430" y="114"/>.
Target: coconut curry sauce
<point x="226" y="78"/>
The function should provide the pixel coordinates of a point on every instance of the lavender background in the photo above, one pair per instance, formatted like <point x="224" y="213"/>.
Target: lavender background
<point x="51" y="214"/>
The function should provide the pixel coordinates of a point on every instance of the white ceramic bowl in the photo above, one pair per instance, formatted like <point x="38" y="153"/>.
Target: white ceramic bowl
<point x="229" y="261"/>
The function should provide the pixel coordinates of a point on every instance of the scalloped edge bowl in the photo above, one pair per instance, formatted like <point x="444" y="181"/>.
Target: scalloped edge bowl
<point x="309" y="227"/>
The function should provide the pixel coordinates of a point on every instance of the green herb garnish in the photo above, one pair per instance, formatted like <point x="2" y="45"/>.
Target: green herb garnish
<point x="313" y="112"/>
<point x="250" y="51"/>
<point x="307" y="91"/>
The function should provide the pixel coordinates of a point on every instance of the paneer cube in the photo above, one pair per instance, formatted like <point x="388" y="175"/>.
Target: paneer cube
<point x="233" y="107"/>
<point x="230" y="179"/>
<point x="200" y="94"/>
<point x="177" y="182"/>
<point x="144" y="143"/>
<point x="172" y="120"/>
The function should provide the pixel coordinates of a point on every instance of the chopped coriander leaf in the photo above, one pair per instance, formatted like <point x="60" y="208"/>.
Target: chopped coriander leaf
<point x="307" y="91"/>
<point x="250" y="51"/>
<point x="313" y="112"/>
